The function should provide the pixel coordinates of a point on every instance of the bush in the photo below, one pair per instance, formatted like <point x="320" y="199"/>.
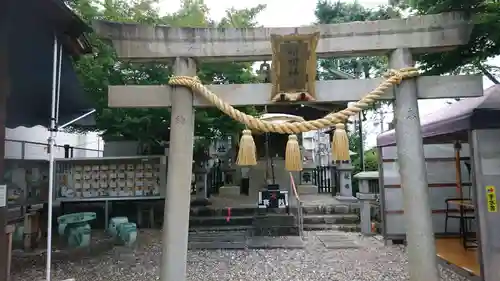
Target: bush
<point x="371" y="164"/>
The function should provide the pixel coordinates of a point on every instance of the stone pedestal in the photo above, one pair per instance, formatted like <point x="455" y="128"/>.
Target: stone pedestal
<point x="366" y="198"/>
<point x="228" y="176"/>
<point x="344" y="170"/>
<point x="245" y="181"/>
<point x="230" y="188"/>
<point x="200" y="174"/>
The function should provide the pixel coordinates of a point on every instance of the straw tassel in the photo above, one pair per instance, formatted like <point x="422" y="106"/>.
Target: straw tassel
<point x="340" y="144"/>
<point x="293" y="159"/>
<point x="247" y="152"/>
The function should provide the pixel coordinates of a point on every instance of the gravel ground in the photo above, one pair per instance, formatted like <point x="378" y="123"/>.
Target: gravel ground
<point x="372" y="262"/>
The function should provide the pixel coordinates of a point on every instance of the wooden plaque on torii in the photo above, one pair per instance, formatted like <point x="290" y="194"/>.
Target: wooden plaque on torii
<point x="294" y="67"/>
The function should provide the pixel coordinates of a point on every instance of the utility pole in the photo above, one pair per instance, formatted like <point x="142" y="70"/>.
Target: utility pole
<point x="317" y="146"/>
<point x="381" y="116"/>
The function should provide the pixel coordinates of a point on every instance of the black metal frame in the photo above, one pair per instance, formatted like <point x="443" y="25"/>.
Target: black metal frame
<point x="466" y="216"/>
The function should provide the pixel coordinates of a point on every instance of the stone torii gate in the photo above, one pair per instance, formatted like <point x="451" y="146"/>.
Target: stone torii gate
<point x="398" y="39"/>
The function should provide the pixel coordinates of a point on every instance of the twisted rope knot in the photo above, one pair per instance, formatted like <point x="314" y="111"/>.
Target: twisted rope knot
<point x="393" y="77"/>
<point x="184" y="80"/>
<point x="396" y="76"/>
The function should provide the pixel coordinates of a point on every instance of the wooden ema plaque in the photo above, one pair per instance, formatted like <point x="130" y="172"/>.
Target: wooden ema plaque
<point x="294" y="67"/>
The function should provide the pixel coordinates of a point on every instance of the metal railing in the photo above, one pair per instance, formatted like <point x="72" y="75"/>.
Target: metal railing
<point x="21" y="149"/>
<point x="299" y="208"/>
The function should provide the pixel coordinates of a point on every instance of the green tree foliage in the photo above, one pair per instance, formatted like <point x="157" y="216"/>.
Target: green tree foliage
<point x="484" y="41"/>
<point x="331" y="12"/>
<point x="98" y="71"/>
<point x="328" y="12"/>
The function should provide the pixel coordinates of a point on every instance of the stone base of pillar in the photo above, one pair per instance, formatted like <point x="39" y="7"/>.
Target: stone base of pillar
<point x="344" y="198"/>
<point x="229" y="191"/>
<point x="305" y="189"/>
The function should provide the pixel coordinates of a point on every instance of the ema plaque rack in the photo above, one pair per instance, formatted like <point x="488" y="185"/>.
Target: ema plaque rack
<point x="110" y="178"/>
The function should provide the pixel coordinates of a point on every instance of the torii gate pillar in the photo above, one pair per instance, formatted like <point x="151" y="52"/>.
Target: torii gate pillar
<point x="178" y="195"/>
<point x="413" y="175"/>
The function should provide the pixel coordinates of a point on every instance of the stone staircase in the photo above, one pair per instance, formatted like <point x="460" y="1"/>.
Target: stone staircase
<point x="328" y="217"/>
<point x="274" y="222"/>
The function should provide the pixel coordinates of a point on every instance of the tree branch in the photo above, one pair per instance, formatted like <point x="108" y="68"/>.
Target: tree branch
<point x="487" y="74"/>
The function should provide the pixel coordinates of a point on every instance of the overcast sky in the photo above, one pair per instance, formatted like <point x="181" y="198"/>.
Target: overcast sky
<point x="289" y="13"/>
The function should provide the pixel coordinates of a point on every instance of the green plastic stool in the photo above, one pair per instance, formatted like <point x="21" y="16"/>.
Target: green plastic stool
<point x="76" y="228"/>
<point x="127" y="233"/>
<point x="113" y="225"/>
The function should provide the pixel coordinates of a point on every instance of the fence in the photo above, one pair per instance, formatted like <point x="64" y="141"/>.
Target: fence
<point x="18" y="149"/>
<point x="324" y="177"/>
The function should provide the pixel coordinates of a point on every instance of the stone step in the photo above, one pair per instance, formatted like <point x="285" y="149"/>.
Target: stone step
<point x="331" y="219"/>
<point x="220" y="221"/>
<point x="271" y="242"/>
<point x="210" y="240"/>
<point x="275" y="225"/>
<point x="249" y="228"/>
<point x="272" y="220"/>
<point x="340" y="227"/>
<point x="214" y="212"/>
<point x="220" y="228"/>
<point x="276" y="231"/>
<point x="328" y="209"/>
<point x="230" y="237"/>
<point x="263" y="220"/>
<point x="241" y="242"/>
<point x="309" y="210"/>
<point x="337" y="240"/>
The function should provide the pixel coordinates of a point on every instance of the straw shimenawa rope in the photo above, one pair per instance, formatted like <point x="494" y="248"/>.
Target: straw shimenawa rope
<point x="393" y="77"/>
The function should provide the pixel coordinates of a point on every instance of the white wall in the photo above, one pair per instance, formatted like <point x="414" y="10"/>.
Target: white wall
<point x="39" y="134"/>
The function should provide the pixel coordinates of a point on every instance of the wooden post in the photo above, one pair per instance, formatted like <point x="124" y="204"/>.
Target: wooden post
<point x="178" y="195"/>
